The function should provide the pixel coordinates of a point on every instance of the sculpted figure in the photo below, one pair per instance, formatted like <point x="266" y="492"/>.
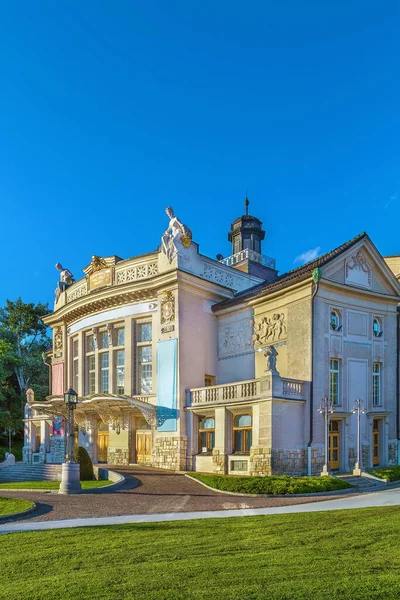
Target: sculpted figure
<point x="176" y="234"/>
<point x="66" y="279"/>
<point x="271" y="354"/>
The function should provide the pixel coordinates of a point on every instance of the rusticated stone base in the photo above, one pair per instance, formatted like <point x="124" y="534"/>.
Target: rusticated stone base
<point x="366" y="456"/>
<point x="169" y="453"/>
<point x="220" y="461"/>
<point x="57" y="450"/>
<point x="118" y="456"/>
<point x="260" y="461"/>
<point x="289" y="462"/>
<point x="317" y="460"/>
<point x="352" y="458"/>
<point x="392" y="453"/>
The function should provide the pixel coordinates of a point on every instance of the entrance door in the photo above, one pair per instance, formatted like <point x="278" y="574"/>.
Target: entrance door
<point x="375" y="443"/>
<point x="334" y="445"/>
<point x="102" y="444"/>
<point x="143" y="447"/>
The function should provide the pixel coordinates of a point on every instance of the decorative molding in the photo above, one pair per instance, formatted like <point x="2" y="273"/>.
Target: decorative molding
<point x="167" y="308"/>
<point x="234" y="338"/>
<point x="269" y="329"/>
<point x="77" y="292"/>
<point x="136" y="272"/>
<point x="239" y="354"/>
<point x="358" y="345"/>
<point x="58" y="342"/>
<point x="218" y="276"/>
<point x="358" y="270"/>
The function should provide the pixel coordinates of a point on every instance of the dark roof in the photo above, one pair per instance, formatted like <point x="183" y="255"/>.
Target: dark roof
<point x="288" y="278"/>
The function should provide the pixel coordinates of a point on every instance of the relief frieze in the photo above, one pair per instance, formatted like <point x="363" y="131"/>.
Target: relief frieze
<point x="269" y="329"/>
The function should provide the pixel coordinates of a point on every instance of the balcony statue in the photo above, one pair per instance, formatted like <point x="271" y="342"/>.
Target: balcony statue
<point x="66" y="279"/>
<point x="175" y="236"/>
<point x="271" y="354"/>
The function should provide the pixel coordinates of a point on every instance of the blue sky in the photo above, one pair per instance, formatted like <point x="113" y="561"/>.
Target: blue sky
<point x="111" y="111"/>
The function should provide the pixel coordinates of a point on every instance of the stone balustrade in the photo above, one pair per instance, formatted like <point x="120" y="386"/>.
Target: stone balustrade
<point x="270" y="386"/>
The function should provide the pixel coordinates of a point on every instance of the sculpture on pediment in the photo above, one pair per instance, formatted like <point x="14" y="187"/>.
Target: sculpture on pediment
<point x="97" y="264"/>
<point x="176" y="235"/>
<point x="270" y="355"/>
<point x="358" y="270"/>
<point x="269" y="329"/>
<point x="66" y="279"/>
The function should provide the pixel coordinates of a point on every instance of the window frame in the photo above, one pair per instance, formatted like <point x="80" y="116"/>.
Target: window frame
<point x="117" y="367"/>
<point x="246" y="430"/>
<point x="209" y="435"/>
<point x="332" y="373"/>
<point x="144" y="365"/>
<point x="379" y="322"/>
<point x="337" y="313"/>
<point x="376" y="384"/>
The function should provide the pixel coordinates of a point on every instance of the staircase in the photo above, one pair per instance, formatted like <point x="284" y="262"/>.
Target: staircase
<point x="362" y="483"/>
<point x="24" y="472"/>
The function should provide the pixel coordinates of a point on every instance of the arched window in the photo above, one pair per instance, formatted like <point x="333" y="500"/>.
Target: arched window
<point x="206" y="435"/>
<point x="377" y="327"/>
<point x="336" y="324"/>
<point x="242" y="433"/>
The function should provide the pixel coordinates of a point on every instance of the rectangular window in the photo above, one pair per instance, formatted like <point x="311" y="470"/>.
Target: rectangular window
<point x="120" y="371"/>
<point x="120" y="336"/>
<point x="334" y="382"/>
<point x="104" y="366"/>
<point x="145" y="332"/>
<point x="209" y="380"/>
<point x="91" y="374"/>
<point x="145" y="369"/>
<point x="90" y="345"/>
<point x="75" y="365"/>
<point x="104" y="340"/>
<point x="376" y="384"/>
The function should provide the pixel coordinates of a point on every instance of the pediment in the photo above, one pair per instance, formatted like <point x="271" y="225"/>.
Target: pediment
<point x="363" y="267"/>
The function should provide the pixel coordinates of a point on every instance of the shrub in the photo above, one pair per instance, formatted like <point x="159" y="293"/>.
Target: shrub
<point x="86" y="466"/>
<point x="391" y="473"/>
<point x="272" y="484"/>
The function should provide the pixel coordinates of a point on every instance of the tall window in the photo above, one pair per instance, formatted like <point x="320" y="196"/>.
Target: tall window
<point x="104" y="340"/>
<point x="335" y="320"/>
<point x="242" y="433"/>
<point x="145" y="358"/>
<point x="120" y="336"/>
<point x="120" y="371"/>
<point x="206" y="435"/>
<point x="75" y="364"/>
<point x="376" y="384"/>
<point x="91" y="374"/>
<point x="377" y="327"/>
<point x="104" y="372"/>
<point x="334" y="375"/>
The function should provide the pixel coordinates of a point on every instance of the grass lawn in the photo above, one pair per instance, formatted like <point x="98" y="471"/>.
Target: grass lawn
<point x="274" y="484"/>
<point x="9" y="506"/>
<point x="391" y="473"/>
<point x="49" y="485"/>
<point x="351" y="554"/>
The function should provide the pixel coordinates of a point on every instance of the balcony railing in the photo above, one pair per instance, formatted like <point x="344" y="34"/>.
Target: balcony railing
<point x="244" y="391"/>
<point x="245" y="254"/>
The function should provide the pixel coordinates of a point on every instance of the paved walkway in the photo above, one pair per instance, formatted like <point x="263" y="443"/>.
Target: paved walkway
<point x="384" y="498"/>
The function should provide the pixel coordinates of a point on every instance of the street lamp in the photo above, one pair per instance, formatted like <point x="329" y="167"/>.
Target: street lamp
<point x="359" y="410"/>
<point x="326" y="409"/>
<point x="70" y="474"/>
<point x="10" y="431"/>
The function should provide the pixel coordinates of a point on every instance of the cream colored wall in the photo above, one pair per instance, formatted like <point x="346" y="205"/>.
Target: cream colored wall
<point x="393" y="263"/>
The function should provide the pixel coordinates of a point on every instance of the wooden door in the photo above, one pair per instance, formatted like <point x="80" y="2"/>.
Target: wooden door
<point x="375" y="443"/>
<point x="102" y="446"/>
<point x="334" y="445"/>
<point x="143" y="447"/>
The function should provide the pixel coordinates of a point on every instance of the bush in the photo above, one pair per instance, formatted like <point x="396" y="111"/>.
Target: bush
<point x="391" y="473"/>
<point x="86" y="466"/>
<point x="272" y="484"/>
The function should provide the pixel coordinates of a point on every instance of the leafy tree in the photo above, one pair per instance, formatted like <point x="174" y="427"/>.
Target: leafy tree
<point x="10" y="414"/>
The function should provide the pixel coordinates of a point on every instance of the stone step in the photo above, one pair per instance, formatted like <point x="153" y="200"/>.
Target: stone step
<point x="24" y="472"/>
<point x="361" y="482"/>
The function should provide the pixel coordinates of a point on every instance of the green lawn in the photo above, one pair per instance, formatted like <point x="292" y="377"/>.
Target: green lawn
<point x="49" y="485"/>
<point x="9" y="506"/>
<point x="274" y="484"/>
<point x="347" y="554"/>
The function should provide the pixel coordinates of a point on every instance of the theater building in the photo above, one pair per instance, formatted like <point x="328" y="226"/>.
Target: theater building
<point x="184" y="362"/>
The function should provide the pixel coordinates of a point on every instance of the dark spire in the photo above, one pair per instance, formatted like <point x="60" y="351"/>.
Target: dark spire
<point x="246" y="203"/>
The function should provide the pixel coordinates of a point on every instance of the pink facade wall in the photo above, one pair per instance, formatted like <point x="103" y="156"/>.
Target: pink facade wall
<point x="57" y="379"/>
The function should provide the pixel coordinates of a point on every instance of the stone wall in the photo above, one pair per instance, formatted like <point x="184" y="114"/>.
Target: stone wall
<point x="352" y="458"/>
<point x="220" y="462"/>
<point x="118" y="456"/>
<point x="57" y="449"/>
<point x="317" y="460"/>
<point x="260" y="461"/>
<point x="289" y="462"/>
<point x="392" y="453"/>
<point x="169" y="453"/>
<point x="365" y="456"/>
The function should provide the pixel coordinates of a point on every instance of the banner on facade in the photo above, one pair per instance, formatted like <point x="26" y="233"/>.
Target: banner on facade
<point x="167" y="352"/>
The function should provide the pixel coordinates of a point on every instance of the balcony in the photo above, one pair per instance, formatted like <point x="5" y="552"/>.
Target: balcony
<point x="252" y="390"/>
<point x="247" y="254"/>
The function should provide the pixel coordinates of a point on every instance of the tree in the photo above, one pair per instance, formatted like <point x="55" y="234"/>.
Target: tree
<point x="21" y="325"/>
<point x="10" y="414"/>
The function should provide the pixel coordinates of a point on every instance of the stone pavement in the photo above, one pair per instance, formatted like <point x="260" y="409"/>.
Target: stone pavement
<point x="383" y="498"/>
<point x="158" y="492"/>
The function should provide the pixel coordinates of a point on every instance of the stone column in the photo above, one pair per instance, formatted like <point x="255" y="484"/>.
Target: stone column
<point x="44" y="440"/>
<point x="192" y="433"/>
<point x="81" y="365"/>
<point x="27" y="449"/>
<point x="220" y="449"/>
<point x="261" y="450"/>
<point x="129" y="356"/>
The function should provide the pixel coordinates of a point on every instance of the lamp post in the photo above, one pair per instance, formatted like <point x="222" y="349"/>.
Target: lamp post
<point x="359" y="410"/>
<point x="70" y="474"/>
<point x="10" y="431"/>
<point x="326" y="409"/>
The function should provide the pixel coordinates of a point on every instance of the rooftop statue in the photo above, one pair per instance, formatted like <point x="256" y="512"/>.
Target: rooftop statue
<point x="66" y="279"/>
<point x="176" y="234"/>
